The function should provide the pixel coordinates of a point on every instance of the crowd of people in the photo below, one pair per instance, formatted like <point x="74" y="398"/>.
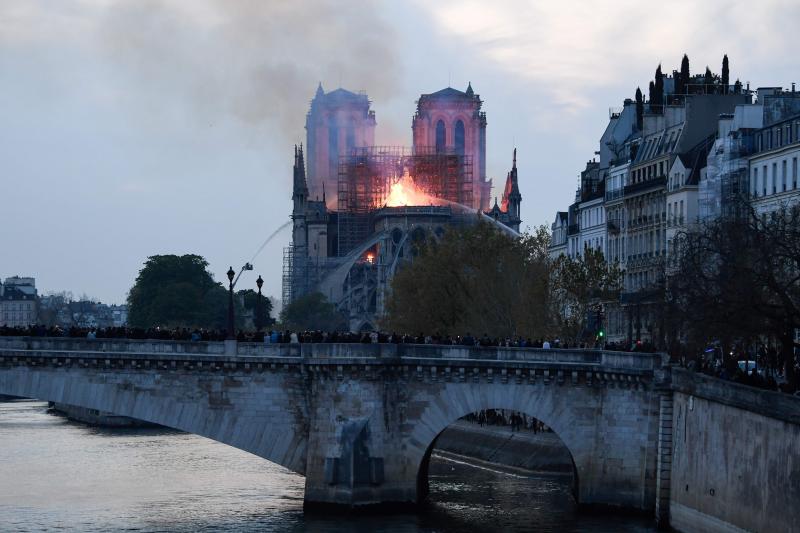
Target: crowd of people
<point x="281" y="337"/>
<point x="500" y="417"/>
<point x="759" y="369"/>
<point x="766" y="373"/>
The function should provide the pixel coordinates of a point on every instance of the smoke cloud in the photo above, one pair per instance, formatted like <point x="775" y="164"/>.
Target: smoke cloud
<point x="258" y="62"/>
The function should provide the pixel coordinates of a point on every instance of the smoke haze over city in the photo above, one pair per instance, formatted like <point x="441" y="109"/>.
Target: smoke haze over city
<point x="139" y="128"/>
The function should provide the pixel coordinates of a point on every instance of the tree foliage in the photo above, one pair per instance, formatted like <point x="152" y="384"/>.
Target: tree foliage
<point x="579" y="283"/>
<point x="312" y="312"/>
<point x="685" y="75"/>
<point x="738" y="278"/>
<point x="477" y="280"/>
<point x="177" y="291"/>
<point x="639" y="108"/>
<point x="726" y="76"/>
<point x="261" y="314"/>
<point x="658" y="91"/>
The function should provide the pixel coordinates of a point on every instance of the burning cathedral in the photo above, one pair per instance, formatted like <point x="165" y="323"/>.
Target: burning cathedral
<point x="360" y="210"/>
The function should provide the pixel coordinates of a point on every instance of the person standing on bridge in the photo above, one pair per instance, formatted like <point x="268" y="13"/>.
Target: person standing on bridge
<point x="546" y="344"/>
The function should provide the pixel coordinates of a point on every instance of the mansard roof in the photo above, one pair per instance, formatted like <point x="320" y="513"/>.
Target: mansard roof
<point x="696" y="159"/>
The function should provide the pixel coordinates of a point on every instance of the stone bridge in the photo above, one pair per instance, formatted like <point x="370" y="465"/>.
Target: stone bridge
<point x="359" y="421"/>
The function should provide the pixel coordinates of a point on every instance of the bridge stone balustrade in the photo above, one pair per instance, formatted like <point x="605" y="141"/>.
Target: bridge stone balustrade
<point x="359" y="421"/>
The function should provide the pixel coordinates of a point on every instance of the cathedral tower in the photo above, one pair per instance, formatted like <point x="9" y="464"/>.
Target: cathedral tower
<point x="452" y="120"/>
<point x="337" y="122"/>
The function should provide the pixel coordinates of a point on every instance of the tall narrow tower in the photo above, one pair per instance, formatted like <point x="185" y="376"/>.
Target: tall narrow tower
<point x="512" y="199"/>
<point x="336" y="123"/>
<point x="452" y="120"/>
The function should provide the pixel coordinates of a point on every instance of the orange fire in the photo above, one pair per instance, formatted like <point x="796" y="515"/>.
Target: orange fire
<point x="404" y="192"/>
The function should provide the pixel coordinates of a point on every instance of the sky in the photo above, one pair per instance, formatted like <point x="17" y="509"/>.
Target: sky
<point x="142" y="127"/>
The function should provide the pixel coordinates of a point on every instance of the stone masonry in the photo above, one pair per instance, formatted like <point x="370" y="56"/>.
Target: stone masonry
<point x="360" y="420"/>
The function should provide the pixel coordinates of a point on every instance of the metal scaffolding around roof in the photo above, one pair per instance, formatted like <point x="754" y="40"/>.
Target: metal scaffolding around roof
<point x="367" y="174"/>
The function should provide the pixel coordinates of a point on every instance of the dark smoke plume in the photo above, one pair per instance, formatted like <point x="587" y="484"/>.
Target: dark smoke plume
<point x="258" y="61"/>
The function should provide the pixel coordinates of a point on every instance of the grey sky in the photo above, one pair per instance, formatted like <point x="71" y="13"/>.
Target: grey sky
<point x="133" y="128"/>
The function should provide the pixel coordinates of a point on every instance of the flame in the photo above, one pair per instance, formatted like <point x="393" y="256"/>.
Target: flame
<point x="370" y="258"/>
<point x="405" y="192"/>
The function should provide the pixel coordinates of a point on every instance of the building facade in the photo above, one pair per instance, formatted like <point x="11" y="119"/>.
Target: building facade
<point x="18" y="302"/>
<point x="665" y="167"/>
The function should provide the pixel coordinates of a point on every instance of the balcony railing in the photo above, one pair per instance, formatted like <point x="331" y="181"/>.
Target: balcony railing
<point x="643" y="186"/>
<point x="613" y="195"/>
<point x="613" y="225"/>
<point x="573" y="229"/>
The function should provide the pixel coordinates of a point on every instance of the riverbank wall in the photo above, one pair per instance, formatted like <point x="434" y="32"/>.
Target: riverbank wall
<point x="735" y="457"/>
<point x="542" y="451"/>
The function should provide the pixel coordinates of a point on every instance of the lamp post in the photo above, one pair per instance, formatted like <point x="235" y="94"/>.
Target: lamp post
<point x="259" y="307"/>
<point x="231" y="335"/>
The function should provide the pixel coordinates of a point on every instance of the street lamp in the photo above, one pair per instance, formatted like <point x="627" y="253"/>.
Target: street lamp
<point x="230" y="335"/>
<point x="259" y="307"/>
<point x="232" y="283"/>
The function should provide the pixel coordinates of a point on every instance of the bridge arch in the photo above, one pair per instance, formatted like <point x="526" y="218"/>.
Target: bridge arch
<point x="423" y="480"/>
<point x="222" y="407"/>
<point x="607" y="431"/>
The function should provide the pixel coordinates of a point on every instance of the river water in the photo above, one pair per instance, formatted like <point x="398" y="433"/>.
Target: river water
<point x="58" y="475"/>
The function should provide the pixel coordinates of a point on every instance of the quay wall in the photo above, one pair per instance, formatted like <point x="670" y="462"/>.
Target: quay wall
<point x="735" y="457"/>
<point x="524" y="449"/>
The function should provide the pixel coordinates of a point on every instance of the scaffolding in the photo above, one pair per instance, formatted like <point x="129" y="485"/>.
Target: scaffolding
<point x="288" y="274"/>
<point x="302" y="273"/>
<point x="367" y="174"/>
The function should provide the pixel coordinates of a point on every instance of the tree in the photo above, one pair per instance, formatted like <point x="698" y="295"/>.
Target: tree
<point x="579" y="284"/>
<point x="738" y="280"/>
<point x="312" y="312"/>
<point x="651" y="95"/>
<point x="639" y="108"/>
<point x="708" y="81"/>
<point x="659" y="90"/>
<point x="725" y="74"/>
<point x="685" y="75"/>
<point x="177" y="291"/>
<point x="474" y="280"/>
<point x="260" y="313"/>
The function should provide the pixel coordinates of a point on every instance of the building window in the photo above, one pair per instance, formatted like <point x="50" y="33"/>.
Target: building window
<point x="440" y="137"/>
<point x="760" y="142"/>
<point x="333" y="147"/>
<point x="783" y="174"/>
<point x="459" y="138"/>
<point x="794" y="173"/>
<point x="755" y="182"/>
<point x="774" y="178"/>
<point x="789" y="134"/>
<point x="780" y="138"/>
<point x="764" y="180"/>
<point x="350" y="139"/>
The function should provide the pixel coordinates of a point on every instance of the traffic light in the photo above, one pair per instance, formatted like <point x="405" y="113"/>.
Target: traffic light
<point x="600" y="326"/>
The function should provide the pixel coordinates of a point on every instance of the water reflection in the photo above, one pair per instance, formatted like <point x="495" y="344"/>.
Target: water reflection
<point x="71" y="477"/>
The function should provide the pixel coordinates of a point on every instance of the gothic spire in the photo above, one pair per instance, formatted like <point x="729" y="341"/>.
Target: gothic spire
<point x="320" y="92"/>
<point x="469" y="92"/>
<point x="300" y="188"/>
